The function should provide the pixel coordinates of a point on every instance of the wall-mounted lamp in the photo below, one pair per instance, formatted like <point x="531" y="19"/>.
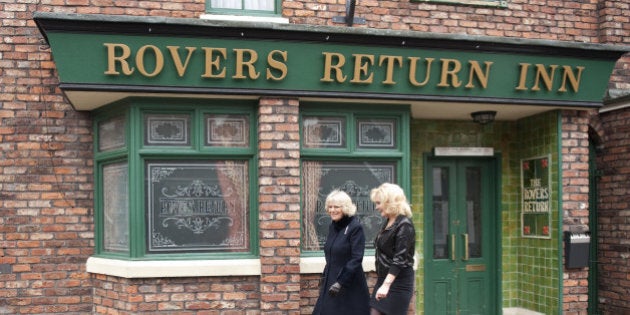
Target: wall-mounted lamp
<point x="483" y="117"/>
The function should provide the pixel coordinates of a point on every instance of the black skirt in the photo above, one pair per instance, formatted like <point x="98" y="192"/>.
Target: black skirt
<point x="399" y="295"/>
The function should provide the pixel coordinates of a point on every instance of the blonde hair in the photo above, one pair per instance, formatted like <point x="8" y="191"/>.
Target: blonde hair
<point x="392" y="199"/>
<point x="342" y="199"/>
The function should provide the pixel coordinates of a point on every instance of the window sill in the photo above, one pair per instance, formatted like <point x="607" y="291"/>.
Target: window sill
<point x="198" y="268"/>
<point x="173" y="268"/>
<point x="244" y="18"/>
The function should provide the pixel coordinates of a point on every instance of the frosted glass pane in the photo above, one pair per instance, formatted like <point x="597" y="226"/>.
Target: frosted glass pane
<point x="264" y="5"/>
<point x="111" y="134"/>
<point x="226" y="4"/>
<point x="115" y="208"/>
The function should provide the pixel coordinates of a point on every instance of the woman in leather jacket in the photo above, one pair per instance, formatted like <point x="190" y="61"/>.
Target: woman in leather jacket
<point x="395" y="248"/>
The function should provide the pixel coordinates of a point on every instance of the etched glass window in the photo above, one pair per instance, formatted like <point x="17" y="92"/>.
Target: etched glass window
<point x="115" y="207"/>
<point x="323" y="132"/>
<point x="170" y="130"/>
<point x="227" y="130"/>
<point x="357" y="179"/>
<point x="197" y="206"/>
<point x="111" y="134"/>
<point x="376" y="133"/>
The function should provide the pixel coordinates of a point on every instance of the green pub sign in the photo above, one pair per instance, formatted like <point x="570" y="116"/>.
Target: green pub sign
<point x="536" y="197"/>
<point x="95" y="53"/>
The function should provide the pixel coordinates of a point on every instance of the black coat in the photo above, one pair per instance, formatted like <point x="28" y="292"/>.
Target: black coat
<point x="344" y="250"/>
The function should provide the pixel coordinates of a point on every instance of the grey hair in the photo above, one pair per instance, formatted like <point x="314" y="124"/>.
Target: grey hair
<point x="341" y="198"/>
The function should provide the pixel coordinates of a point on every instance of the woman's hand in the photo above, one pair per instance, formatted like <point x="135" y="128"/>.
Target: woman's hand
<point x="381" y="293"/>
<point x="334" y="289"/>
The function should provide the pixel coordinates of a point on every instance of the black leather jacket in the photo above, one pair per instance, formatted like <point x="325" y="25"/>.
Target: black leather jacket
<point x="395" y="247"/>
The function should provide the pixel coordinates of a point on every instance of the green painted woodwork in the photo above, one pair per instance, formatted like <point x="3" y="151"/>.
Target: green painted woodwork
<point x="461" y="270"/>
<point x="136" y="153"/>
<point x="93" y="59"/>
<point x="528" y="268"/>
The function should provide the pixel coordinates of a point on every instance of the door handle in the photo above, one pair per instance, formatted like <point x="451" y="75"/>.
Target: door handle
<point x="453" y="247"/>
<point x="466" y="253"/>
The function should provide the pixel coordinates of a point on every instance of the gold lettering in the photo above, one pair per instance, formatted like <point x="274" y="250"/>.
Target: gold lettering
<point x="112" y="59"/>
<point x="159" y="61"/>
<point x="329" y="67"/>
<point x="389" y="70"/>
<point x="450" y="71"/>
<point x="179" y="66"/>
<point x="214" y="63"/>
<point x="241" y="64"/>
<point x="541" y="73"/>
<point x="475" y="71"/>
<point x="523" y="77"/>
<point x="278" y="65"/>
<point x="361" y="68"/>
<point x="413" y="65"/>
<point x="568" y="74"/>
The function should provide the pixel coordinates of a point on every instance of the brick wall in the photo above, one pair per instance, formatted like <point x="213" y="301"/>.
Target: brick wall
<point x="46" y="229"/>
<point x="575" y="183"/>
<point x="182" y="296"/>
<point x="614" y="214"/>
<point x="279" y="205"/>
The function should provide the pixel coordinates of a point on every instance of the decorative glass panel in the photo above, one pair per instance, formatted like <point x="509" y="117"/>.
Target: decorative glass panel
<point x="195" y="206"/>
<point x="376" y="133"/>
<point x="440" y="212"/>
<point x="227" y="130"/>
<point x="323" y="132"/>
<point x="355" y="178"/>
<point x="115" y="207"/>
<point x="111" y="134"/>
<point x="173" y="130"/>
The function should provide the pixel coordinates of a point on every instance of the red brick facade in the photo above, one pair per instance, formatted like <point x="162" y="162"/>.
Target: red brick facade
<point x="614" y="214"/>
<point x="46" y="170"/>
<point x="279" y="206"/>
<point x="575" y="203"/>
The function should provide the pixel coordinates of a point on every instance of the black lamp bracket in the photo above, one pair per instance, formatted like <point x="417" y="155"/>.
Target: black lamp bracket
<point x="349" y="19"/>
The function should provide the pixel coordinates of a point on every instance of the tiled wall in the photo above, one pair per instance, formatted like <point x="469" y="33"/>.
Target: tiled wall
<point x="538" y="271"/>
<point x="530" y="276"/>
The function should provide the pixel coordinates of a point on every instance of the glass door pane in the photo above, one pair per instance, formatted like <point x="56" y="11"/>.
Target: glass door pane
<point x="473" y="211"/>
<point x="440" y="212"/>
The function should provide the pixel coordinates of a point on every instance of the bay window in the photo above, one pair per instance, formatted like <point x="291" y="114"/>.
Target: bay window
<point x="174" y="180"/>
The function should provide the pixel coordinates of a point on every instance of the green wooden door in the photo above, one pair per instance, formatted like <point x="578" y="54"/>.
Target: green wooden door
<point x="460" y="238"/>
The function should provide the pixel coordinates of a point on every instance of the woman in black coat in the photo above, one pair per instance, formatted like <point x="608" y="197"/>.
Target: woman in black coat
<point x="395" y="248"/>
<point x="343" y="289"/>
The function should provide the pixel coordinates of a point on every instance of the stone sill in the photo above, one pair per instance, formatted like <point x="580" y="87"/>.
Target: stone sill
<point x="173" y="268"/>
<point x="197" y="268"/>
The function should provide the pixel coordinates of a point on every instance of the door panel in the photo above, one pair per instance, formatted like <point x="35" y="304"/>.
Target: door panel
<point x="460" y="237"/>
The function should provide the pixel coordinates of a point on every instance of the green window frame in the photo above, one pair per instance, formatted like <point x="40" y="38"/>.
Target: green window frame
<point x="245" y="7"/>
<point x="481" y="3"/>
<point x="352" y="148"/>
<point x="175" y="179"/>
